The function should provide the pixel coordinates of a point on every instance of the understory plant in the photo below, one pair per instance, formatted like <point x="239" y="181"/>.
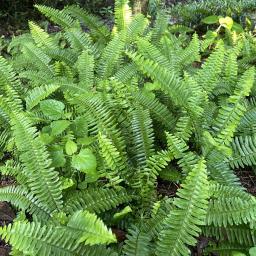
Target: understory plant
<point x="93" y="118"/>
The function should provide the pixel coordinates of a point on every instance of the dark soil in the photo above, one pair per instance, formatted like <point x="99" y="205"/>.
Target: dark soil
<point x="248" y="180"/>
<point x="167" y="188"/>
<point x="7" y="214"/>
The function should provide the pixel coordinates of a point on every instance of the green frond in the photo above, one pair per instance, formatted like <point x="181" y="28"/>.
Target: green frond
<point x="137" y="243"/>
<point x="105" y="120"/>
<point x="92" y="230"/>
<point x="179" y="149"/>
<point x="145" y="180"/>
<point x="151" y="52"/>
<point x="41" y="38"/>
<point x="244" y="151"/>
<point x="61" y="18"/>
<point x="80" y="41"/>
<point x="142" y="136"/>
<point x="36" y="77"/>
<point x="223" y="191"/>
<point x="184" y="128"/>
<point x="14" y="169"/>
<point x="112" y="158"/>
<point x="183" y="223"/>
<point x="230" y="211"/>
<point x="33" y="238"/>
<point x="158" y="110"/>
<point x="123" y="14"/>
<point x="231" y="68"/>
<point x="136" y="27"/>
<point x="38" y="58"/>
<point x="85" y="66"/>
<point x="96" y="200"/>
<point x="208" y="75"/>
<point x="220" y="170"/>
<point x="170" y="83"/>
<point x="68" y="56"/>
<point x="227" y="249"/>
<point x="19" y="197"/>
<point x="63" y="70"/>
<point x="111" y="56"/>
<point x="247" y="125"/>
<point x="126" y="72"/>
<point x="43" y="180"/>
<point x="97" y="28"/>
<point x="242" y="234"/>
<point x="160" y="27"/>
<point x="230" y="114"/>
<point x="37" y="94"/>
<point x="8" y="77"/>
<point x="190" y="53"/>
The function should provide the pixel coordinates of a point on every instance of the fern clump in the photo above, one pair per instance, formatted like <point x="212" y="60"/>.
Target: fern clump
<point x="94" y="120"/>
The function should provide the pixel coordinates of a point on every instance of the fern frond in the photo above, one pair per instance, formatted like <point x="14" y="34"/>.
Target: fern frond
<point x="123" y="14"/>
<point x="227" y="249"/>
<point x="244" y="151"/>
<point x="247" y="125"/>
<point x="137" y="243"/>
<point x="182" y="223"/>
<point x="179" y="149"/>
<point x="41" y="38"/>
<point x="158" y="110"/>
<point x="126" y="72"/>
<point x="38" y="58"/>
<point x="59" y="17"/>
<point x="80" y="41"/>
<point x="19" y="197"/>
<point x="39" y="93"/>
<point x="136" y="27"/>
<point x="242" y="234"/>
<point x="112" y="158"/>
<point x="169" y="82"/>
<point x="41" y="240"/>
<point x="8" y="77"/>
<point x="111" y="56"/>
<point x="43" y="180"/>
<point x="92" y="230"/>
<point x="85" y="66"/>
<point x="96" y="200"/>
<point x="231" y="113"/>
<point x="184" y="128"/>
<point x="211" y="69"/>
<point x="68" y="56"/>
<point x="97" y="28"/>
<point x="190" y="53"/>
<point x="142" y="136"/>
<point x="231" y="211"/>
<point x="220" y="170"/>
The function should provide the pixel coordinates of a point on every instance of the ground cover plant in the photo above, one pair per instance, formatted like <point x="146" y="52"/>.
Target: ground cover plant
<point x="93" y="118"/>
<point x="190" y="13"/>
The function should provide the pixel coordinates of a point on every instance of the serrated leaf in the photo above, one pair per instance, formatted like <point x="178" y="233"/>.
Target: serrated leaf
<point x="70" y="147"/>
<point x="59" y="126"/>
<point x="52" y="108"/>
<point x="57" y="156"/>
<point x="85" y="162"/>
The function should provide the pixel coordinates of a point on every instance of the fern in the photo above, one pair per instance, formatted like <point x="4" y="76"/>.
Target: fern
<point x="97" y="201"/>
<point x="99" y="124"/>
<point x="183" y="221"/>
